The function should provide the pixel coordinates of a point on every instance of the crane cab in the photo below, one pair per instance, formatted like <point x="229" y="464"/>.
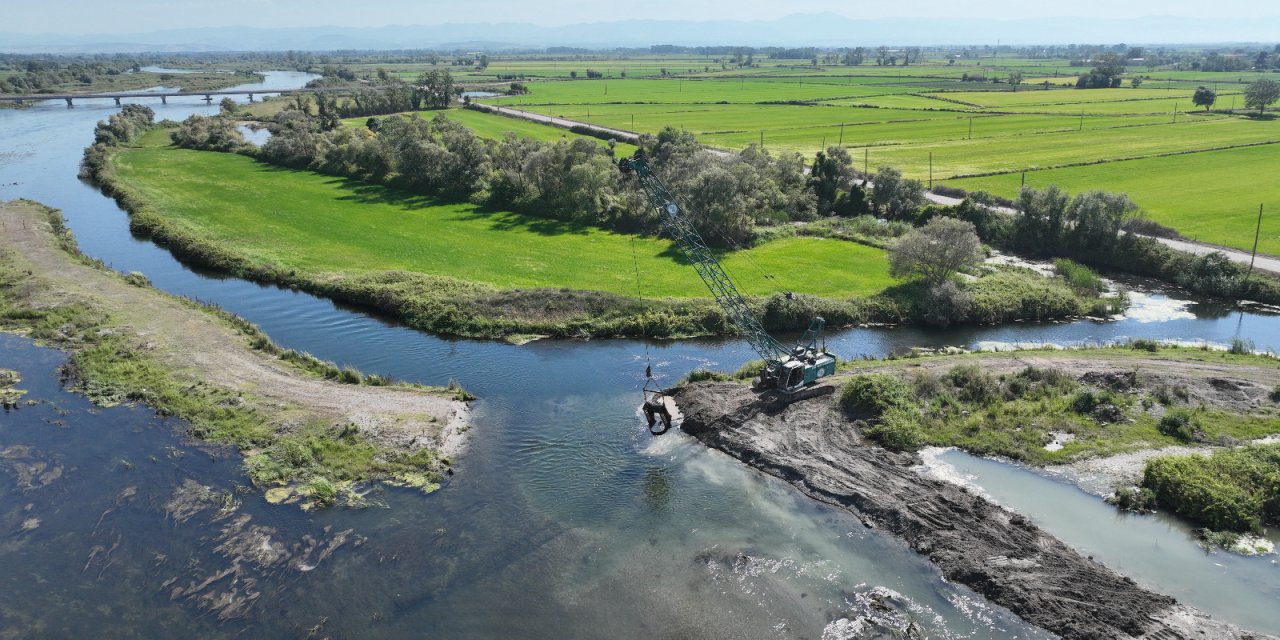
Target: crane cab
<point x="798" y="373"/>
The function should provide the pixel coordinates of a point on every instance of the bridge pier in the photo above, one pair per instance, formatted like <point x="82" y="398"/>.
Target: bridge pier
<point x="117" y="101"/>
<point x="251" y="98"/>
<point x="208" y="98"/>
<point x="164" y="100"/>
<point x="68" y="102"/>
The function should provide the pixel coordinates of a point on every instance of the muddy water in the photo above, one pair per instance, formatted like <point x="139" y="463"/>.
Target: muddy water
<point x="566" y="518"/>
<point x="1158" y="551"/>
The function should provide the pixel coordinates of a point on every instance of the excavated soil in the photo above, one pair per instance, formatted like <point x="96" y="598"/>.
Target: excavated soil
<point x="808" y="442"/>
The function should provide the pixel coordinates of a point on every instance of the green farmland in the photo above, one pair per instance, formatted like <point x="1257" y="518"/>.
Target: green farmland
<point x="1211" y="196"/>
<point x="321" y="224"/>
<point x="925" y="121"/>
<point x="495" y="127"/>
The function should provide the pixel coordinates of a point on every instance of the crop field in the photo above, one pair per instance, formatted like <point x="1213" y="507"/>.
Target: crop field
<point x="1211" y="196"/>
<point x="495" y="127"/>
<point x="322" y="224"/>
<point x="901" y="116"/>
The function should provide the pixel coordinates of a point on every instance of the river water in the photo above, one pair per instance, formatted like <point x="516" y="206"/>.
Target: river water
<point x="566" y="519"/>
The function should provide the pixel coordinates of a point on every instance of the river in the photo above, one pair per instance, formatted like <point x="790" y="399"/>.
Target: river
<point x="566" y="519"/>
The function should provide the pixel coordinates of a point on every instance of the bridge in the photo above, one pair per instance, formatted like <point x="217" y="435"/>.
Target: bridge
<point x="164" y="97"/>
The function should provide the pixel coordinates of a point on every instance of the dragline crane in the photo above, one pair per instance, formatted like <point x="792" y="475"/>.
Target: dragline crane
<point x="786" y="368"/>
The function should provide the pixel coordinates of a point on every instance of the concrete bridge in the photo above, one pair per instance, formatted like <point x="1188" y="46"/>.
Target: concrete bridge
<point x="164" y="97"/>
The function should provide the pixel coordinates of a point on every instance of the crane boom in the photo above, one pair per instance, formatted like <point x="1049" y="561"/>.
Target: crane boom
<point x="786" y="368"/>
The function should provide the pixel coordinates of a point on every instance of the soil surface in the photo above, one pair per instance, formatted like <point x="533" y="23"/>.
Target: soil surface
<point x="201" y="346"/>
<point x="808" y="442"/>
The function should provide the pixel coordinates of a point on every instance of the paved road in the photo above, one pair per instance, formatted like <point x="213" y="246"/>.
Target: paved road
<point x="1270" y="264"/>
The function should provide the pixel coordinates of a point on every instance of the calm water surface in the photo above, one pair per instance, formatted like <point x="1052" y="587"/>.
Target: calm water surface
<point x="566" y="518"/>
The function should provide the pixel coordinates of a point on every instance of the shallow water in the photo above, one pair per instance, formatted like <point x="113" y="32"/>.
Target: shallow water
<point x="565" y="518"/>
<point x="1159" y="551"/>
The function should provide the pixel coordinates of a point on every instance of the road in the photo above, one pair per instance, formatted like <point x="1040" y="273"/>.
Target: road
<point x="1269" y="264"/>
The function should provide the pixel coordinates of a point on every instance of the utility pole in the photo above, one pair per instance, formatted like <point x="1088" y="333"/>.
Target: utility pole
<point x="1175" y="113"/>
<point x="970" y="128"/>
<point x="1256" y="233"/>
<point x="1024" y="178"/>
<point x="841" y="143"/>
<point x="1081" y="127"/>
<point x="762" y="138"/>
<point x="931" y="171"/>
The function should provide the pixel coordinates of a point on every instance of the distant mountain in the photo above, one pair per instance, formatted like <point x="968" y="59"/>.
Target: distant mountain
<point x="823" y="29"/>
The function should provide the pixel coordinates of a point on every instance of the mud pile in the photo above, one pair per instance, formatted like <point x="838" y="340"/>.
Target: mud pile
<point x="1000" y="554"/>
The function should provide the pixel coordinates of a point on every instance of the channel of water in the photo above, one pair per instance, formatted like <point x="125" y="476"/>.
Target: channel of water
<point x="565" y="518"/>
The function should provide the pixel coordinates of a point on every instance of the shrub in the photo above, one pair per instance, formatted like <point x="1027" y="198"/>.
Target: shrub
<point x="898" y="430"/>
<point x="1275" y="394"/>
<point x="1139" y="499"/>
<point x="702" y="375"/>
<point x="1144" y="344"/>
<point x="1180" y="425"/>
<point x="946" y="303"/>
<point x="1241" y="346"/>
<point x="973" y="384"/>
<point x="871" y="396"/>
<point x="1080" y="277"/>
<point x="1233" y="489"/>
<point x="322" y="491"/>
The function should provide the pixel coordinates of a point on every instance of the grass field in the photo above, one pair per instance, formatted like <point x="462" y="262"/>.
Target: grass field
<point x="495" y="127"/>
<point x="1211" y="196"/>
<point x="924" y="121"/>
<point x="320" y="224"/>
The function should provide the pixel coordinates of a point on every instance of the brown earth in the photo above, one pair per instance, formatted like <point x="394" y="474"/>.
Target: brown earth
<point x="202" y="347"/>
<point x="808" y="442"/>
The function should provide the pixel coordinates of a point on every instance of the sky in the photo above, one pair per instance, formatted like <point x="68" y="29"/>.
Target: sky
<point x="139" y="16"/>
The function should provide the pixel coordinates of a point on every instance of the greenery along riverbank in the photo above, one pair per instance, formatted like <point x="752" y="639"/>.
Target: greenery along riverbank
<point x="308" y="429"/>
<point x="466" y="270"/>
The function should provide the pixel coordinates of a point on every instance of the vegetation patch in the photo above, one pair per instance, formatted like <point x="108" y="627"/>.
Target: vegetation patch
<point x="113" y="361"/>
<point x="1229" y="490"/>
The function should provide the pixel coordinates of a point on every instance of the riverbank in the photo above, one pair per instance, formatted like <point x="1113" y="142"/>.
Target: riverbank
<point x="432" y="264"/>
<point x="309" y="431"/>
<point x="830" y="454"/>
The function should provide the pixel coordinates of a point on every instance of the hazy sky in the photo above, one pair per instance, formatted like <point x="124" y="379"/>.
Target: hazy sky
<point x="133" y="16"/>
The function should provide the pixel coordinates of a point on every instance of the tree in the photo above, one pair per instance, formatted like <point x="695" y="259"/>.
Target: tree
<point x="436" y="88"/>
<point x="1204" y="97"/>
<point x="1015" y="79"/>
<point x="1105" y="74"/>
<point x="228" y="106"/>
<point x="1135" y="82"/>
<point x="895" y="196"/>
<point x="1261" y="93"/>
<point x="936" y="251"/>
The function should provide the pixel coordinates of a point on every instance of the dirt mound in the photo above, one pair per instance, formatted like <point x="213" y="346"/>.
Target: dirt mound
<point x="1000" y="554"/>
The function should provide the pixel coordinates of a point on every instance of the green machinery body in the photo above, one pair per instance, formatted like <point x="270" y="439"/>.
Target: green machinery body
<point x="786" y="368"/>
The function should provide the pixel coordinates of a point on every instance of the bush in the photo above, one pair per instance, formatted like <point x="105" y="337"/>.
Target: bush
<point x="871" y="396"/>
<point x="946" y="303"/>
<point x="1275" y="394"/>
<point x="898" y="430"/>
<point x="1241" y="346"/>
<point x="1180" y="425"/>
<point x="702" y="375"/>
<point x="973" y="384"/>
<point x="1234" y="489"/>
<point x="1139" y="499"/>
<point x="1144" y="344"/>
<point x="1080" y="277"/>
